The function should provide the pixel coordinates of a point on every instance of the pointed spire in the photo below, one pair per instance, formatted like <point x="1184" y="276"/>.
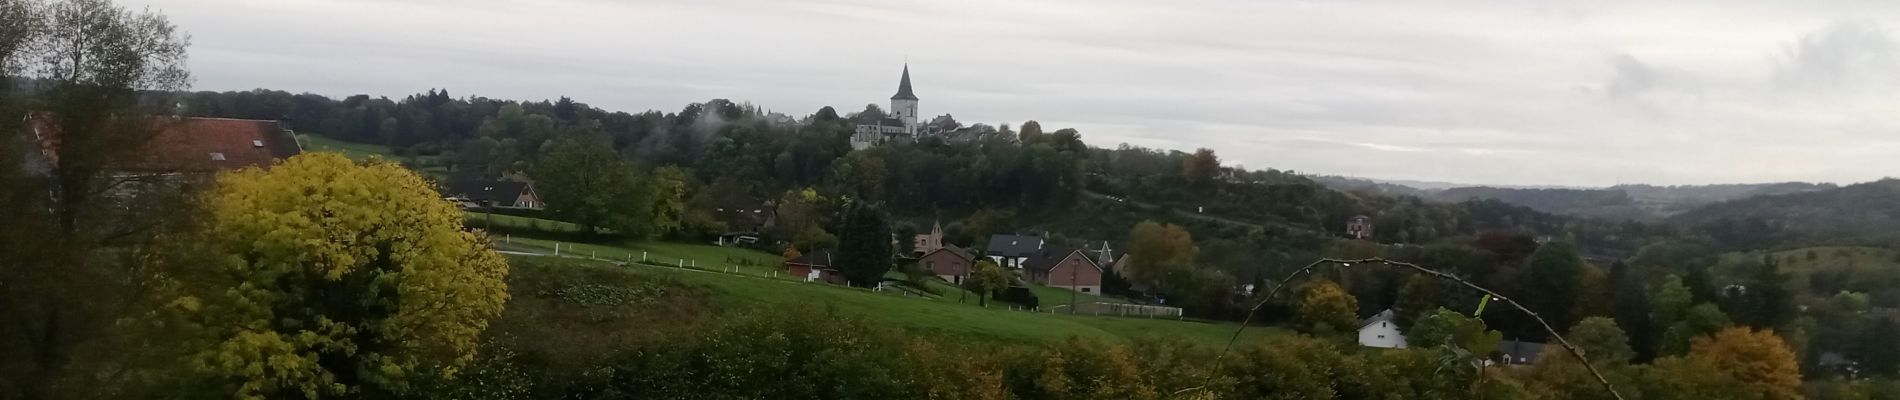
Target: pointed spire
<point x="903" y="86"/>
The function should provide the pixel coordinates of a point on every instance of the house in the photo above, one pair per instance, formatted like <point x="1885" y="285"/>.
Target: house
<point x="950" y="262"/>
<point x="1359" y="227"/>
<point x="1512" y="352"/>
<point x="925" y="243"/>
<point x="1382" y="331"/>
<point x="814" y="267"/>
<point x="1120" y="268"/>
<point x="745" y="216"/>
<point x="1064" y="268"/>
<point x="1011" y="250"/>
<point x="196" y="147"/>
<point x="484" y="193"/>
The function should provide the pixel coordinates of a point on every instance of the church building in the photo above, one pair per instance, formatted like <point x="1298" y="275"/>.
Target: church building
<point x="899" y="121"/>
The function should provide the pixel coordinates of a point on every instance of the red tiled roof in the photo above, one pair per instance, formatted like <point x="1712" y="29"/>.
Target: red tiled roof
<point x="200" y="145"/>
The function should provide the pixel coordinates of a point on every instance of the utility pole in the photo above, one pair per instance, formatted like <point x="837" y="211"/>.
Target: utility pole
<point x="1073" y="290"/>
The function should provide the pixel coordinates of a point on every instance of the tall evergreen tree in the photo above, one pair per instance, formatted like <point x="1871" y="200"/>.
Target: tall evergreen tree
<point x="864" y="243"/>
<point x="1555" y="274"/>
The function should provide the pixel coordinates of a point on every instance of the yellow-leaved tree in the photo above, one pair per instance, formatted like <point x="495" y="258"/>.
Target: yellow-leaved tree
<point x="1758" y="360"/>
<point x="324" y="278"/>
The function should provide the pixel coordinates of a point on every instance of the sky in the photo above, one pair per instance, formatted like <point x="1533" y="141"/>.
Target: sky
<point x="1526" y="92"/>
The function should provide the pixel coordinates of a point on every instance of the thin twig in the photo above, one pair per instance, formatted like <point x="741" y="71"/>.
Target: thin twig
<point x="1435" y="273"/>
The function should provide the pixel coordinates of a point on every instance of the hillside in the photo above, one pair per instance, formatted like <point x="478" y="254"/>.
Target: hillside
<point x="1863" y="213"/>
<point x="720" y="293"/>
<point x="1632" y="202"/>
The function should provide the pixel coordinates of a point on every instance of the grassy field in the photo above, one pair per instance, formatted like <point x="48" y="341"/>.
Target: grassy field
<point x="706" y="257"/>
<point x="430" y="166"/>
<point x="945" y="315"/>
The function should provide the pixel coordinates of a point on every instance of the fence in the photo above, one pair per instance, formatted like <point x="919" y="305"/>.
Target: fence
<point x="1127" y="310"/>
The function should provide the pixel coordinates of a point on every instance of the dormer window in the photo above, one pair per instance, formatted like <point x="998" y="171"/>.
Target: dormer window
<point x="217" y="156"/>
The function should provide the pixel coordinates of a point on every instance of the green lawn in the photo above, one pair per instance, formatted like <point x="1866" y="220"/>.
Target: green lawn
<point x="706" y="257"/>
<point x="946" y="315"/>
<point x="1054" y="296"/>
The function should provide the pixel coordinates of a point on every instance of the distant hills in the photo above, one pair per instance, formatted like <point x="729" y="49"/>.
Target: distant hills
<point x="1624" y="202"/>
<point x="1866" y="213"/>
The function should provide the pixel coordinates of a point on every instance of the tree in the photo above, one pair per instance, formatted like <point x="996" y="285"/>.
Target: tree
<point x="1764" y="300"/>
<point x="1201" y="168"/>
<point x="1560" y="373"/>
<point x="1446" y="328"/>
<point x="321" y="278"/>
<point x="659" y="203"/>
<point x="1668" y="306"/>
<point x="1757" y="360"/>
<point x="986" y="278"/>
<point x="1602" y="341"/>
<point x="1555" y="274"/>
<point x="1030" y="131"/>
<point x="583" y="181"/>
<point x="1156" y="250"/>
<point x="1325" y="308"/>
<point x="864" y="243"/>
<point x="76" y="230"/>
<point x="1703" y="319"/>
<point x="1879" y="347"/>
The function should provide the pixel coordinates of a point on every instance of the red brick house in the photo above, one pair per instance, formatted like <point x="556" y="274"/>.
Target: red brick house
<point x="191" y="146"/>
<point x="950" y="262"/>
<point x="1065" y="268"/>
<point x="816" y="266"/>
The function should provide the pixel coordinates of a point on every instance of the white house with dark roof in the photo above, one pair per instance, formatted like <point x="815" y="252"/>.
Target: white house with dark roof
<point x="1382" y="331"/>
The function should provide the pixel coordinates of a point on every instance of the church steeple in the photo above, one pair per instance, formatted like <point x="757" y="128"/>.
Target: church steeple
<point x="903" y="86"/>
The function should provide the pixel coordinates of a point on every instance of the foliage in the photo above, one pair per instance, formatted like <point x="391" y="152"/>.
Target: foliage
<point x="985" y="279"/>
<point x="74" y="283"/>
<point x="1156" y="251"/>
<point x="864" y="248"/>
<point x="582" y="180"/>
<point x="1555" y="274"/>
<point x="1325" y="309"/>
<point x="1449" y="329"/>
<point x="1758" y="360"/>
<point x="321" y="278"/>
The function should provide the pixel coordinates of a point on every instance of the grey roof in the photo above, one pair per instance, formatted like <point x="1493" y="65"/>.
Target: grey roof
<point x="1520" y="352"/>
<point x="818" y="259"/>
<point x="1833" y="359"/>
<point x="494" y="192"/>
<point x="1047" y="260"/>
<point x="1382" y="316"/>
<point x="1013" y="246"/>
<point x="956" y="251"/>
<point x="903" y="87"/>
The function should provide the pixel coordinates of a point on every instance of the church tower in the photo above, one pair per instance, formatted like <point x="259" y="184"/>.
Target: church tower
<point x="904" y="104"/>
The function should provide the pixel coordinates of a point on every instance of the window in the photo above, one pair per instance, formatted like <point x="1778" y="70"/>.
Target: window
<point x="1382" y="336"/>
<point x="257" y="143"/>
<point x="1085" y="290"/>
<point x="217" y="156"/>
<point x="930" y="265"/>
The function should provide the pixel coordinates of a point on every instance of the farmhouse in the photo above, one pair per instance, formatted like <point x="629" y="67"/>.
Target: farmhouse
<point x="1067" y="268"/>
<point x="189" y="147"/>
<point x="950" y="262"/>
<point x="1512" y="352"/>
<point x="925" y="243"/>
<point x="814" y="267"/>
<point x="483" y="193"/>
<point x="1381" y="331"/>
<point x="1010" y="251"/>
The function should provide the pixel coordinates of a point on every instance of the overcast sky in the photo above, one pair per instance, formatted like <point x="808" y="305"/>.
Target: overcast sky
<point x="1497" y="92"/>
